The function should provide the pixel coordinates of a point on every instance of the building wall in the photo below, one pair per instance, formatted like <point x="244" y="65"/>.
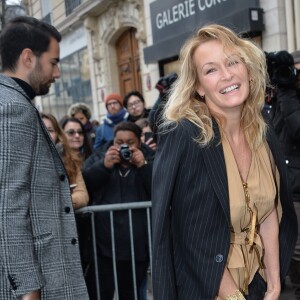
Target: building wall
<point x="275" y="34"/>
<point x="105" y="20"/>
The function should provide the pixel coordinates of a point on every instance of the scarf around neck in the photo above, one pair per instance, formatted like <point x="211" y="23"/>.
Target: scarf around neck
<point x="117" y="118"/>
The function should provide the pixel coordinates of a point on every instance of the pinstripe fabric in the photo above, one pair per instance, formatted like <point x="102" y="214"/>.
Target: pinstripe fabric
<point x="191" y="227"/>
<point x="36" y="233"/>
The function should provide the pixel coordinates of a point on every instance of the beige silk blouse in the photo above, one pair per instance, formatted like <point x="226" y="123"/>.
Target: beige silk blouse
<point x="261" y="190"/>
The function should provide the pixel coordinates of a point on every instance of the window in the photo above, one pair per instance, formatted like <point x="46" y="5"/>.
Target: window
<point x="46" y="11"/>
<point x="73" y="86"/>
<point x="71" y="5"/>
<point x="47" y="19"/>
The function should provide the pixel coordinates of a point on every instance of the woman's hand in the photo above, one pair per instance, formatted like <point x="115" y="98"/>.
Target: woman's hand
<point x="36" y="295"/>
<point x="151" y="144"/>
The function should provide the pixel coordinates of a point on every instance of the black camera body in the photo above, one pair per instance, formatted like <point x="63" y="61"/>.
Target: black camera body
<point x="125" y="152"/>
<point x="281" y="68"/>
<point x="165" y="83"/>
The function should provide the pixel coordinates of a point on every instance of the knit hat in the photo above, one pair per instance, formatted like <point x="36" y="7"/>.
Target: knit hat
<point x="296" y="56"/>
<point x="113" y="96"/>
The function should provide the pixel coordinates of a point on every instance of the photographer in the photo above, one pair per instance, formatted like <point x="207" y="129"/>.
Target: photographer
<point x="120" y="174"/>
<point x="285" y="114"/>
<point x="163" y="85"/>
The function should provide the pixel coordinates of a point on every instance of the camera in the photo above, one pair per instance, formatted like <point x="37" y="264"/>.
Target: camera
<point x="125" y="153"/>
<point x="281" y="68"/>
<point x="165" y="83"/>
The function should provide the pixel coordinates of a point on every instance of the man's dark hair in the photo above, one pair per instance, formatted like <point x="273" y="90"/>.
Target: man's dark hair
<point x="24" y="32"/>
<point x="133" y="93"/>
<point x="128" y="126"/>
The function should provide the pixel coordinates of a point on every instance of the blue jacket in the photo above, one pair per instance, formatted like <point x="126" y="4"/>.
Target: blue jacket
<point x="105" y="132"/>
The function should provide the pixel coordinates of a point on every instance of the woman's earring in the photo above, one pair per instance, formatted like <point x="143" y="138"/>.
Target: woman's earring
<point x="202" y="97"/>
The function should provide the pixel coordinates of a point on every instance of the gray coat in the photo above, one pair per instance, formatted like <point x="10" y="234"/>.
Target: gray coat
<point x="38" y="238"/>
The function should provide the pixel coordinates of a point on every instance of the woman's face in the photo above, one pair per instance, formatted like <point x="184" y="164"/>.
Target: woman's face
<point x="51" y="130"/>
<point x="81" y="117"/>
<point x="74" y="135"/>
<point x="223" y="78"/>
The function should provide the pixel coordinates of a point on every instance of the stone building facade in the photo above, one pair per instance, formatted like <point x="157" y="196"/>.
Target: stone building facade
<point x="113" y="45"/>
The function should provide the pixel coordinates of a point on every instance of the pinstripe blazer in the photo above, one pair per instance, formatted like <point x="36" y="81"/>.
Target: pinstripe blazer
<point x="38" y="238"/>
<point x="191" y="218"/>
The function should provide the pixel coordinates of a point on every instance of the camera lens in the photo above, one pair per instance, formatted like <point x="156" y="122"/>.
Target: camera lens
<point x="125" y="153"/>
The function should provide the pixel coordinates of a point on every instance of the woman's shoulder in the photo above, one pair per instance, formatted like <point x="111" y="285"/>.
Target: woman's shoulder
<point x="183" y="126"/>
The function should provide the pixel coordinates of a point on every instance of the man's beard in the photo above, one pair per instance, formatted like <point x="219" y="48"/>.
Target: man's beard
<point x="37" y="81"/>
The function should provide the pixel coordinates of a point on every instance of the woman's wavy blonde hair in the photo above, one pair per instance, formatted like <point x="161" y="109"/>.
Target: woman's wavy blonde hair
<point x="185" y="103"/>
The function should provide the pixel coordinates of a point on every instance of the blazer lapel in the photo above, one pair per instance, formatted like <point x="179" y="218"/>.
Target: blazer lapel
<point x="216" y="168"/>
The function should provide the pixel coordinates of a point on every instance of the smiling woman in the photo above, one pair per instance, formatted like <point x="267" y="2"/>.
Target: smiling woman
<point x="216" y="202"/>
<point x="77" y="138"/>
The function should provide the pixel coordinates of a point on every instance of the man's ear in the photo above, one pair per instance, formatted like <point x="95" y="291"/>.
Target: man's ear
<point x="27" y="58"/>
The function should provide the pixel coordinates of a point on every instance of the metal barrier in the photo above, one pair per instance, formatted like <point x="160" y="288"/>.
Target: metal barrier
<point x="111" y="208"/>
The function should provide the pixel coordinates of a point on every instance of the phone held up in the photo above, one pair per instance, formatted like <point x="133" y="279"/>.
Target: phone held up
<point x="148" y="136"/>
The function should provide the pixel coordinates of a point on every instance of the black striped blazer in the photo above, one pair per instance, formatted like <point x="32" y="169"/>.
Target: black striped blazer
<point x="191" y="217"/>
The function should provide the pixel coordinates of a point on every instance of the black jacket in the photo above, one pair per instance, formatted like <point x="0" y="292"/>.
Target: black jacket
<point x="191" y="215"/>
<point x="285" y="115"/>
<point x="134" y="119"/>
<point x="106" y="186"/>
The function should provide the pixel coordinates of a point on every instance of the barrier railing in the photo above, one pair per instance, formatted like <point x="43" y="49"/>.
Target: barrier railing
<point x="111" y="208"/>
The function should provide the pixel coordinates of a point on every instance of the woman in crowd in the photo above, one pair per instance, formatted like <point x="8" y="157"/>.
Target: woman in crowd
<point x="79" y="193"/>
<point x="72" y="163"/>
<point x="82" y="112"/>
<point x="77" y="138"/>
<point x="224" y="226"/>
<point x="147" y="134"/>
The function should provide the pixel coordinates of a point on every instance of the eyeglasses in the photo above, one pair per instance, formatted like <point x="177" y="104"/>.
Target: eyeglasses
<point x="135" y="103"/>
<point x="72" y="132"/>
<point x="113" y="103"/>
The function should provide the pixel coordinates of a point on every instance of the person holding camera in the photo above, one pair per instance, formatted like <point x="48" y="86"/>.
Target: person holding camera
<point x="121" y="173"/>
<point x="284" y="72"/>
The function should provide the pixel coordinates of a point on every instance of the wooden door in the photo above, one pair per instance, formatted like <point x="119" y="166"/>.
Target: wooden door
<point x="128" y="62"/>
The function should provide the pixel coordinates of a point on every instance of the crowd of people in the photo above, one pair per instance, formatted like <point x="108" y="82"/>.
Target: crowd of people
<point x="100" y="174"/>
<point x="222" y="175"/>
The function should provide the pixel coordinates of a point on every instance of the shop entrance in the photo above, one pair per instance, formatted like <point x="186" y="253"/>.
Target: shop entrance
<point x="128" y="62"/>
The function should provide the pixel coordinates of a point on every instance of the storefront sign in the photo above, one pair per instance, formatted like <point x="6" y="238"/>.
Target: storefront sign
<point x="173" y="21"/>
<point x="172" y="17"/>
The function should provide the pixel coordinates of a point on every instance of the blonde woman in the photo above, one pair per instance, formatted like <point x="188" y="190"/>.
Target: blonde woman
<point x="223" y="221"/>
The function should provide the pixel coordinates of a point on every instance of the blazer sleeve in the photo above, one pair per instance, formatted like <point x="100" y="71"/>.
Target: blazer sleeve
<point x="18" y="135"/>
<point x="80" y="196"/>
<point x="165" y="169"/>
